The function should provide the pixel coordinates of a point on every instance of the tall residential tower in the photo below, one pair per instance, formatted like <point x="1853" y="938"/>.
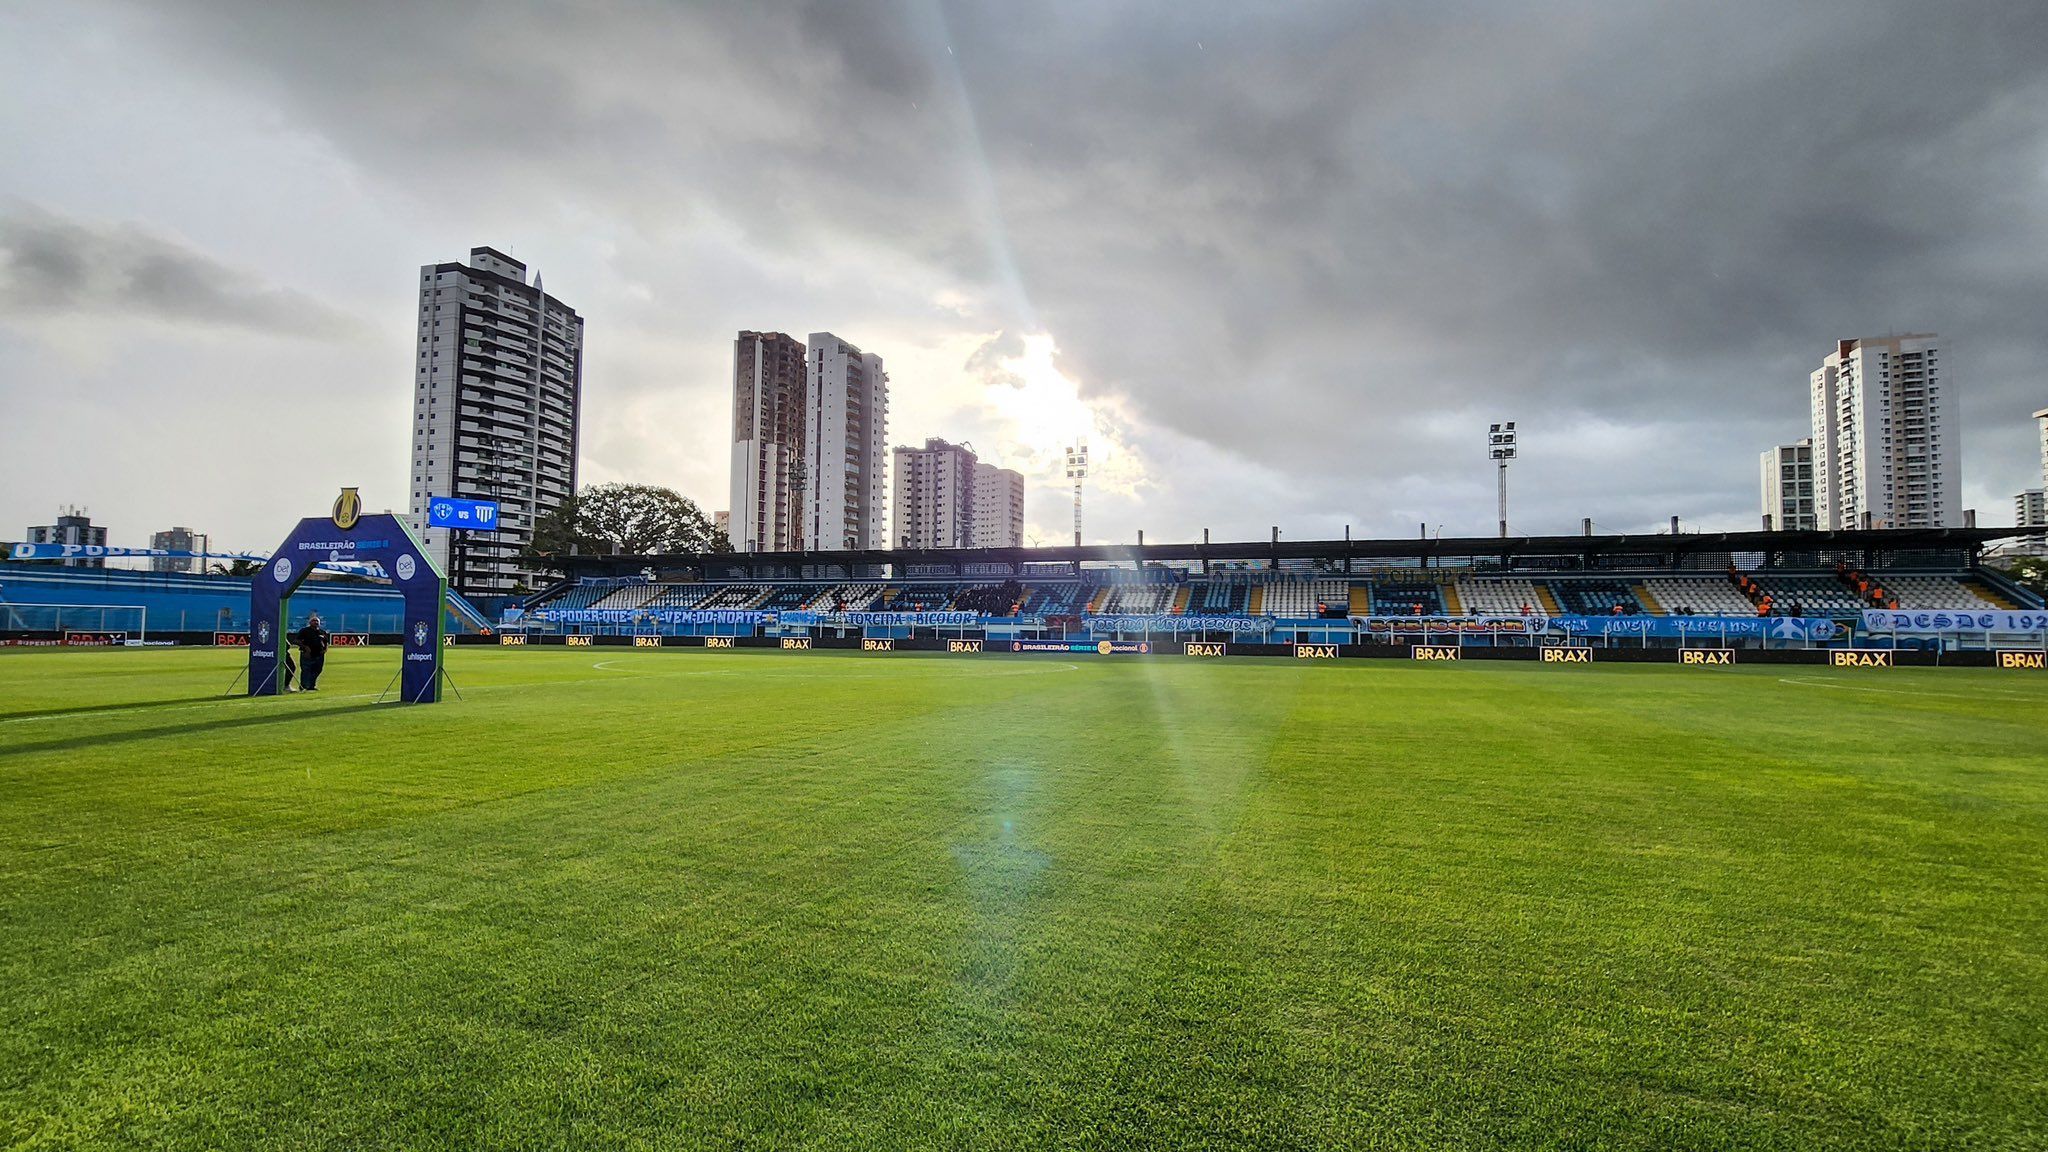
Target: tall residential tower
<point x="1886" y="442"/>
<point x="1788" y="488"/>
<point x="497" y="397"/>
<point x="846" y="435"/>
<point x="768" y="465"/>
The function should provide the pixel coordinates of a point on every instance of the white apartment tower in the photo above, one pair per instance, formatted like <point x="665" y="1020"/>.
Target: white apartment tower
<point x="1886" y="442"/>
<point x="1787" y="472"/>
<point x="998" y="507"/>
<point x="497" y="396"/>
<point x="946" y="497"/>
<point x="2041" y="418"/>
<point x="768" y="465"/>
<point x="846" y="423"/>
<point x="2030" y="510"/>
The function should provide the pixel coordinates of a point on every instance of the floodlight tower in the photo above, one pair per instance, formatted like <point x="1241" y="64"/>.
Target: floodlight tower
<point x="1077" y="471"/>
<point x="1500" y="442"/>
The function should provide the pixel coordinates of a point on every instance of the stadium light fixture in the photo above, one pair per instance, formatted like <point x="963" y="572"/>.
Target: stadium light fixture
<point x="1077" y="471"/>
<point x="1500" y="444"/>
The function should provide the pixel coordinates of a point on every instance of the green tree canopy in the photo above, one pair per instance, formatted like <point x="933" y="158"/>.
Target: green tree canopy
<point x="629" y="519"/>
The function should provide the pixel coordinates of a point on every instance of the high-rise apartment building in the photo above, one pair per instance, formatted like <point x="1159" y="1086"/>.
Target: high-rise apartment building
<point x="1886" y="442"/>
<point x="846" y="437"/>
<point x="2041" y="418"/>
<point x="768" y="465"/>
<point x="998" y="507"/>
<point x="73" y="526"/>
<point x="178" y="540"/>
<point x="1787" y="473"/>
<point x="2030" y="510"/>
<point x="946" y="497"/>
<point x="497" y="396"/>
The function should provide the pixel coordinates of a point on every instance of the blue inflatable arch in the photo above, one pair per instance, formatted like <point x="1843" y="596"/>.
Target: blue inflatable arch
<point x="346" y="536"/>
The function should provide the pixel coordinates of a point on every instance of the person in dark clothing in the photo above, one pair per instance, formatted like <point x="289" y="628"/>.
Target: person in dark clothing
<point x="287" y="667"/>
<point x="312" y="643"/>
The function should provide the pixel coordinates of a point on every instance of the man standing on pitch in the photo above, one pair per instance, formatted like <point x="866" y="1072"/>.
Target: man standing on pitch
<point x="312" y="644"/>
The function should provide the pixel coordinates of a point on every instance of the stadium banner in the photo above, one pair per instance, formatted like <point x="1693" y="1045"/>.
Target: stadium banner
<point x="348" y="640"/>
<point x="1703" y="657"/>
<point x="1315" y="651"/>
<point x="1684" y="627"/>
<point x="1206" y="648"/>
<point x="1095" y="647"/>
<point x="876" y="644"/>
<point x="796" y="643"/>
<point x="95" y="639"/>
<point x="718" y="642"/>
<point x="803" y="619"/>
<point x="1567" y="654"/>
<point x="1234" y="624"/>
<point x="1860" y="657"/>
<point x="230" y="639"/>
<point x="646" y="641"/>
<point x="734" y="616"/>
<point x="1434" y="652"/>
<point x="511" y="639"/>
<point x="2011" y="658"/>
<point x="963" y="647"/>
<point x="1880" y="620"/>
<point x="1449" y="625"/>
<point x="577" y="641"/>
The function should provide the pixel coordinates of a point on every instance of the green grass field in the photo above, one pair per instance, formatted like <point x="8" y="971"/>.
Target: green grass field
<point x="688" y="899"/>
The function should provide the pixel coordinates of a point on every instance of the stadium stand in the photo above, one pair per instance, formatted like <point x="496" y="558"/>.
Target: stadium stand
<point x="1697" y="596"/>
<point x="629" y="597"/>
<point x="1407" y="600"/>
<point x="1938" y="592"/>
<point x="1296" y="598"/>
<point x="1595" y="597"/>
<point x="1498" y="597"/>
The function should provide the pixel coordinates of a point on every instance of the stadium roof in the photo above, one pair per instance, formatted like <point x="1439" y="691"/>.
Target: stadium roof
<point x="1664" y="545"/>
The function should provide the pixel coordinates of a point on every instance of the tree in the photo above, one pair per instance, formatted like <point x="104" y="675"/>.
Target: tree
<point x="626" y="519"/>
<point x="237" y="568"/>
<point x="2030" y="571"/>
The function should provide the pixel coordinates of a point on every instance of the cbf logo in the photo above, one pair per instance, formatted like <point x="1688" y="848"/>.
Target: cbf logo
<point x="419" y="633"/>
<point x="263" y="632"/>
<point x="348" y="508"/>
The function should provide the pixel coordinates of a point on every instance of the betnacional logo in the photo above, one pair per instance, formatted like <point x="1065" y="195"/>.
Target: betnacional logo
<point x="577" y="641"/>
<point x="796" y="643"/>
<point x="419" y="633"/>
<point x="1207" y="648"/>
<point x="281" y="570"/>
<point x="646" y="641"/>
<point x="405" y="566"/>
<point x="718" y="641"/>
<point x="1315" y="651"/>
<point x="1860" y="657"/>
<point x="1703" y="656"/>
<point x="2035" y="660"/>
<point x="1104" y="647"/>
<point x="1435" y="652"/>
<point x="958" y="647"/>
<point x="1561" y="654"/>
<point x="348" y="508"/>
<point x="511" y="640"/>
<point x="868" y="644"/>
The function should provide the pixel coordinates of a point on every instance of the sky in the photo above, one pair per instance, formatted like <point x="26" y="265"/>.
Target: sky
<point x="1280" y="265"/>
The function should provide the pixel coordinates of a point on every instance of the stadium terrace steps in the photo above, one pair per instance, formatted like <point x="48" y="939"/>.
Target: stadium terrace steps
<point x="1504" y="596"/>
<point x="1548" y="599"/>
<point x="1452" y="604"/>
<point x="1991" y="595"/>
<point x="1648" y="600"/>
<point x="630" y="597"/>
<point x="1255" y="605"/>
<point x="1697" y="595"/>
<point x="1180" y="600"/>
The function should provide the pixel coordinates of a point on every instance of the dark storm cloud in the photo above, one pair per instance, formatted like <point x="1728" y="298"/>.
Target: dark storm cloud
<point x="52" y="267"/>
<point x="1330" y="240"/>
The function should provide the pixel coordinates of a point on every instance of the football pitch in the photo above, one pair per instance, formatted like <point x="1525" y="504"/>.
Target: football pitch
<point x="686" y="899"/>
